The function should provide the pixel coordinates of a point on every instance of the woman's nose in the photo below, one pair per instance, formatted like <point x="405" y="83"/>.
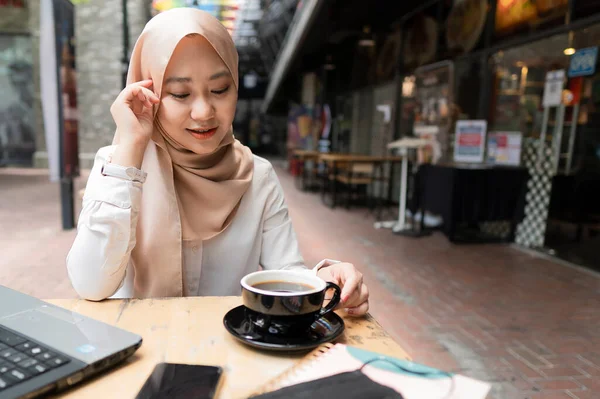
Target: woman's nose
<point x="202" y="110"/>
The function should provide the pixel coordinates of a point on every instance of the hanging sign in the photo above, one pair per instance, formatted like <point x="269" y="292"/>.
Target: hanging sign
<point x="583" y="62"/>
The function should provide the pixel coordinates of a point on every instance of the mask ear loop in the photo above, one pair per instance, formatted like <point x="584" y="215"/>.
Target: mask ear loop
<point x="415" y="372"/>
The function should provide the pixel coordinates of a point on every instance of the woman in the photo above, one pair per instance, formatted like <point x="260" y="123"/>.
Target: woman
<point x="177" y="206"/>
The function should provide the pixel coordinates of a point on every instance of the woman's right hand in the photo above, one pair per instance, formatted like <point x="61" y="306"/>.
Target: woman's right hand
<point x="132" y="113"/>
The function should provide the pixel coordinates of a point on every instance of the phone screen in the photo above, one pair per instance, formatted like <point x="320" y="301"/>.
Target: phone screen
<point x="181" y="381"/>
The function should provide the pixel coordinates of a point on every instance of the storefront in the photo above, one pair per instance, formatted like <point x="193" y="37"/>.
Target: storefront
<point x="17" y="124"/>
<point x="564" y="216"/>
<point x="525" y="72"/>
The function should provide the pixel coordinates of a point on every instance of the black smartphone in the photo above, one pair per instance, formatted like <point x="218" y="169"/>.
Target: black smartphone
<point x="181" y="381"/>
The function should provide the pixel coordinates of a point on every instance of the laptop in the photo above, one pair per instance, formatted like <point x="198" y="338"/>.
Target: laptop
<point x="45" y="348"/>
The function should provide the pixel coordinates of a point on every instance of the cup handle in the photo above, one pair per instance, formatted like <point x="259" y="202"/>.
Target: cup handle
<point x="334" y="301"/>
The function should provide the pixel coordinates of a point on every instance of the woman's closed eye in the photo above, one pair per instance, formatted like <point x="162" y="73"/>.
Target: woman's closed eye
<point x="181" y="96"/>
<point x="221" y="91"/>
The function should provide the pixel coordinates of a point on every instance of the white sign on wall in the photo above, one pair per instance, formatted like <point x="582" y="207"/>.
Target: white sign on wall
<point x="553" y="88"/>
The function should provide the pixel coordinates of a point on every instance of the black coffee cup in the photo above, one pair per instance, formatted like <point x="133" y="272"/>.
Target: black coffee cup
<point x="286" y="302"/>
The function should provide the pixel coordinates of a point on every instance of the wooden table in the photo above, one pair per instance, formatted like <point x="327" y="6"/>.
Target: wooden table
<point x="304" y="154"/>
<point x="334" y="160"/>
<point x="190" y="330"/>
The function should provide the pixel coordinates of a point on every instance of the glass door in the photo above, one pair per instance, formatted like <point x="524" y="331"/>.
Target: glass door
<point x="574" y="216"/>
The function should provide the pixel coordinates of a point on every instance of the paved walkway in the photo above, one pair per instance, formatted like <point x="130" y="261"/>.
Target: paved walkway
<point x="529" y="325"/>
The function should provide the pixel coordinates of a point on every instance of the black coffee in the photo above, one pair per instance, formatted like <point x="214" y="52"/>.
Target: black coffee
<point x="283" y="286"/>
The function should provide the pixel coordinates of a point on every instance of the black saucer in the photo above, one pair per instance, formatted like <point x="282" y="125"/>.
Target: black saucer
<point x="325" y="329"/>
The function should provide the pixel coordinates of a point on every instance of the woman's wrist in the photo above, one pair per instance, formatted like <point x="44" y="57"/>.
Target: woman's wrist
<point x="129" y="154"/>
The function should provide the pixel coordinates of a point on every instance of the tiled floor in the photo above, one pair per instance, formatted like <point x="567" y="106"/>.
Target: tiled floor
<point x="528" y="325"/>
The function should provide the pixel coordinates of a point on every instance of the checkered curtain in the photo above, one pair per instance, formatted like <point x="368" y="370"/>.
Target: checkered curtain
<point x="531" y="232"/>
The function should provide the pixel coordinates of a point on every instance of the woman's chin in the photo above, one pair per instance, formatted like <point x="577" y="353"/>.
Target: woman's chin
<point x="205" y="147"/>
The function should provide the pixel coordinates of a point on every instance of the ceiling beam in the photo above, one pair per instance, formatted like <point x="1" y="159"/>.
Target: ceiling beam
<point x="301" y="24"/>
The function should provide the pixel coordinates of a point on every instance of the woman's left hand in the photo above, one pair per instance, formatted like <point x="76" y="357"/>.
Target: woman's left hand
<point x="355" y="295"/>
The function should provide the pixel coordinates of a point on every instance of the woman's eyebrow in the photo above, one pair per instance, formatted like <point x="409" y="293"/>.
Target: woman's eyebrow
<point x="181" y="79"/>
<point x="219" y="75"/>
<point x="177" y="79"/>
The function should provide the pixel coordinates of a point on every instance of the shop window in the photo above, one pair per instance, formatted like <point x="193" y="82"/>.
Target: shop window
<point x="520" y="75"/>
<point x="518" y="88"/>
<point x="588" y="134"/>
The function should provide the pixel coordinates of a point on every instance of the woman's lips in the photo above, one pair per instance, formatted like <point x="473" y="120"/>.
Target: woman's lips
<point x="202" y="134"/>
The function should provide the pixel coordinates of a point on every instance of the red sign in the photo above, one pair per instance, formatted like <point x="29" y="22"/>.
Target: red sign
<point x="469" y="139"/>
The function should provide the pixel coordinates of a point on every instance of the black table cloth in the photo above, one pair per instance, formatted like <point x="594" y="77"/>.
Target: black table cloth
<point x="471" y="194"/>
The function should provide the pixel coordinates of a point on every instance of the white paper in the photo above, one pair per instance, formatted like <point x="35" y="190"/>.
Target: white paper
<point x="553" y="88"/>
<point x="504" y="148"/>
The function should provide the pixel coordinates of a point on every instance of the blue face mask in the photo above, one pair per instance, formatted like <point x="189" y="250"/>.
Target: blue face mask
<point x="350" y="385"/>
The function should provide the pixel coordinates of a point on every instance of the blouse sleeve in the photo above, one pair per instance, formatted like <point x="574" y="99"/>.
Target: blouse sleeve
<point x="98" y="259"/>
<point x="280" y="249"/>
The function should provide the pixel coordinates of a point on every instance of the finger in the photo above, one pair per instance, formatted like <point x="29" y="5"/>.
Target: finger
<point x="137" y="107"/>
<point x="154" y="99"/>
<point x="359" y="296"/>
<point x="129" y="94"/>
<point x="141" y="96"/>
<point x="134" y="89"/>
<point x="150" y="97"/>
<point x="145" y="96"/>
<point x="360" y="310"/>
<point x="143" y="83"/>
<point x="351" y="284"/>
<point x="145" y="86"/>
<point x="351" y="300"/>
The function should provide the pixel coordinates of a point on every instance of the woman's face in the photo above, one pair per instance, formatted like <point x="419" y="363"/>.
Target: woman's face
<point x="198" y="96"/>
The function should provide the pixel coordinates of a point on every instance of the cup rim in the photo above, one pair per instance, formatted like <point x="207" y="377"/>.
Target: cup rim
<point x="304" y="274"/>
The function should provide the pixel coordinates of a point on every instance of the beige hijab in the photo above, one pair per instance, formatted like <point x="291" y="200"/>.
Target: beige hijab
<point x="186" y="196"/>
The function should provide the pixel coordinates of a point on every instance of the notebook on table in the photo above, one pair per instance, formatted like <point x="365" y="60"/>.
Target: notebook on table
<point x="411" y="380"/>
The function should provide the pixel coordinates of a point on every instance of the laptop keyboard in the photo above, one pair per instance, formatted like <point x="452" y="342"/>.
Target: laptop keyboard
<point x="21" y="359"/>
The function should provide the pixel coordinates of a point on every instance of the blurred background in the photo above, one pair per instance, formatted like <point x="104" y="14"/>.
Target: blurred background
<point x="449" y="148"/>
<point x="352" y="77"/>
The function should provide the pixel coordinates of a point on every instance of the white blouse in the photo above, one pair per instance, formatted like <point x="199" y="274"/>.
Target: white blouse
<point x="261" y="234"/>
